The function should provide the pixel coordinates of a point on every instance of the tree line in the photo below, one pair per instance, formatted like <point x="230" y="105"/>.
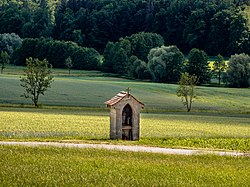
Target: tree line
<point x="215" y="26"/>
<point x="139" y="56"/>
<point x="108" y="35"/>
<point x="56" y="52"/>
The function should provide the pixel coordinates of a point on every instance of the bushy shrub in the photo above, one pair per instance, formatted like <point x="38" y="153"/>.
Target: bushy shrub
<point x="165" y="63"/>
<point x="10" y="42"/>
<point x="238" y="72"/>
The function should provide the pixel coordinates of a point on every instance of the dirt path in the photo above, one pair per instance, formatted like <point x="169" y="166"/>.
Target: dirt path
<point x="129" y="148"/>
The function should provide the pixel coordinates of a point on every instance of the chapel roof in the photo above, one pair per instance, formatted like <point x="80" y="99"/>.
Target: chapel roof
<point x="118" y="97"/>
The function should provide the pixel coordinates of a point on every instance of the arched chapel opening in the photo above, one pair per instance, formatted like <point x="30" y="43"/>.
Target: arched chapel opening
<point x="127" y="116"/>
<point x="124" y="116"/>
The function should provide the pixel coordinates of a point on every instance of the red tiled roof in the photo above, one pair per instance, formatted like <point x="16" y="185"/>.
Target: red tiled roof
<point x="119" y="97"/>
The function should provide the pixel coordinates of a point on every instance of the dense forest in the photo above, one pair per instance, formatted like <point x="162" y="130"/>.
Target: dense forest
<point x="215" y="26"/>
<point x="121" y="31"/>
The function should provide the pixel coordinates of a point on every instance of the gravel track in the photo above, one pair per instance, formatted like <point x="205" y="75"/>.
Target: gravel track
<point x="129" y="148"/>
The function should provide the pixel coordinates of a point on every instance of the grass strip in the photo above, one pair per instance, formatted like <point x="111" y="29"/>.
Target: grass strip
<point x="50" y="166"/>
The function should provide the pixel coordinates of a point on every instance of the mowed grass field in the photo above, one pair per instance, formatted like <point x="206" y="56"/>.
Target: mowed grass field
<point x="92" y="89"/>
<point x="47" y="166"/>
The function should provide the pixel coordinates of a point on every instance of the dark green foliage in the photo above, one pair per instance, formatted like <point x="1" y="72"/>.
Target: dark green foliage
<point x="117" y="54"/>
<point x="85" y="58"/>
<point x="219" y="33"/>
<point x="239" y="35"/>
<point x="57" y="52"/>
<point x="213" y="26"/>
<point x="171" y="21"/>
<point x="198" y="65"/>
<point x="37" y="79"/>
<point x="41" y="21"/>
<point x="108" y="55"/>
<point x="11" y="19"/>
<point x="10" y="42"/>
<point x="195" y="30"/>
<point x="142" y="43"/>
<point x="138" y="68"/>
<point x="238" y="72"/>
<point x="165" y="63"/>
<point x="121" y="61"/>
<point x="219" y="67"/>
<point x="27" y="18"/>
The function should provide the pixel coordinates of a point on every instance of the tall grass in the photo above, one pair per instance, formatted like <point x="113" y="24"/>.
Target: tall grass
<point x="47" y="166"/>
<point x="199" y="130"/>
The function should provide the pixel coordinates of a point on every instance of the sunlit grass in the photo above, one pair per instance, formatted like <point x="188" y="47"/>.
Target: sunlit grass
<point x="43" y="124"/>
<point x="199" y="130"/>
<point x="195" y="125"/>
<point x="47" y="166"/>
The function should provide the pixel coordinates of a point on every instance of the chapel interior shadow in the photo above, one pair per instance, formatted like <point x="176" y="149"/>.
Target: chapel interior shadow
<point x="127" y="116"/>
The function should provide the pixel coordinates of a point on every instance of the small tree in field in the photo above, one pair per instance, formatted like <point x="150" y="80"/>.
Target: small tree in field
<point x="4" y="60"/>
<point x="186" y="89"/>
<point x="219" y="66"/>
<point x="68" y="63"/>
<point x="37" y="80"/>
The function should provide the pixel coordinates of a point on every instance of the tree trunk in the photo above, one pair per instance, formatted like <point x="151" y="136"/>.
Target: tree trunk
<point x="35" y="100"/>
<point x="189" y="107"/>
<point x="219" y="76"/>
<point x="187" y="103"/>
<point x="190" y="104"/>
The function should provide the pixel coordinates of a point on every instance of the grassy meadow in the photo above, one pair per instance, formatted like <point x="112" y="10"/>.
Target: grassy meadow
<point x="197" y="130"/>
<point x="47" y="166"/>
<point x="92" y="89"/>
<point x="73" y="110"/>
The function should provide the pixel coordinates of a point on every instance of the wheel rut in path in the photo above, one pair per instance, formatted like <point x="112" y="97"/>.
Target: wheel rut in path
<point x="129" y="148"/>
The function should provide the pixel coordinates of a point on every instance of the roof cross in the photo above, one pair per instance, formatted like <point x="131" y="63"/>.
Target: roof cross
<point x="128" y="90"/>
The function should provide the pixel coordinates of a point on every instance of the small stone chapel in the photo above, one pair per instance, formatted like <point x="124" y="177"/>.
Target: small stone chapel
<point x="124" y="116"/>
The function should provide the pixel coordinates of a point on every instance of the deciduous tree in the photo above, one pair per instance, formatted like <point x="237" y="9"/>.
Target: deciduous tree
<point x="219" y="66"/>
<point x="37" y="80"/>
<point x="165" y="63"/>
<point x="238" y="72"/>
<point x="5" y="59"/>
<point x="198" y="65"/>
<point x="10" y="42"/>
<point x="68" y="63"/>
<point x="137" y="68"/>
<point x="186" y="89"/>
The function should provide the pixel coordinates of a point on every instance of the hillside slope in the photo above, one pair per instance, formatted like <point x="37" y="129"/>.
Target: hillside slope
<point x="86" y="91"/>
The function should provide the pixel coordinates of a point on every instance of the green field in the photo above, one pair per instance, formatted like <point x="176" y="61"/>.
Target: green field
<point x="92" y="89"/>
<point x="73" y="110"/>
<point x="197" y="130"/>
<point x="46" y="166"/>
